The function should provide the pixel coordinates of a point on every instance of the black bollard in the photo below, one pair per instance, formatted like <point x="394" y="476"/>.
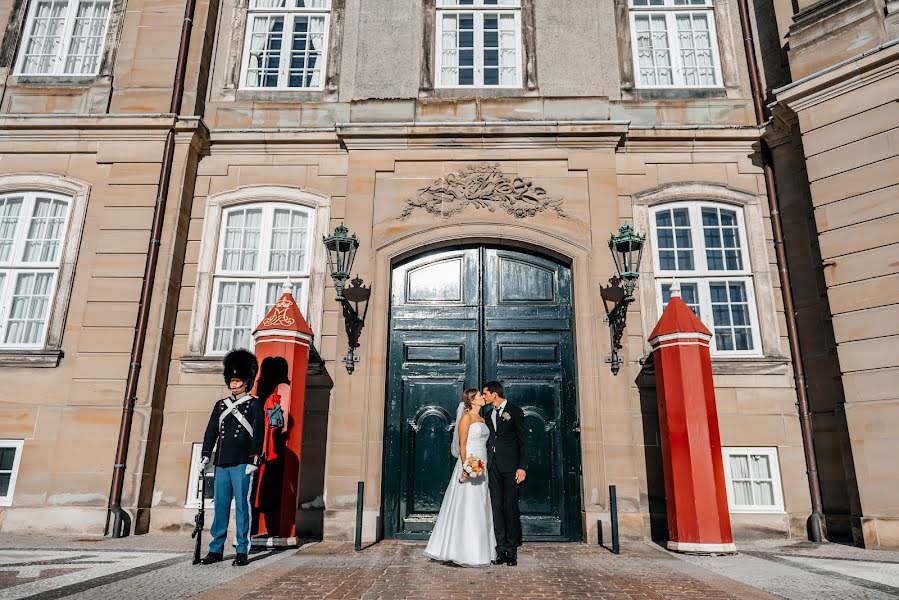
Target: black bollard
<point x="613" y="510"/>
<point x="360" y="495"/>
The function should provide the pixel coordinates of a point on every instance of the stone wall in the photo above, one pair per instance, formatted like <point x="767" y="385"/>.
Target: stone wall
<point x="847" y="117"/>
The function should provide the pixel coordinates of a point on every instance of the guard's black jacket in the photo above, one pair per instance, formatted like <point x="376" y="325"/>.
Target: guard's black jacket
<point x="234" y="445"/>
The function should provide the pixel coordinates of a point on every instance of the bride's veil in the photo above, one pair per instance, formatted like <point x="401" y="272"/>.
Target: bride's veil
<point x="454" y="447"/>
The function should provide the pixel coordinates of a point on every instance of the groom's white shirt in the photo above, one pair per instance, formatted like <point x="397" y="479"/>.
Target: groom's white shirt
<point x="497" y="411"/>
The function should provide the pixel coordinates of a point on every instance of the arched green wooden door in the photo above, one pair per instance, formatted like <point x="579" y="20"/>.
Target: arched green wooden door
<point x="460" y="317"/>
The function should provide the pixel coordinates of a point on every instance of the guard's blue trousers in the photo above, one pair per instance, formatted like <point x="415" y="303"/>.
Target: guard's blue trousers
<point x="231" y="482"/>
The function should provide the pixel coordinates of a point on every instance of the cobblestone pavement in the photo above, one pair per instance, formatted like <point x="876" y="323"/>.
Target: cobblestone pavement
<point x="146" y="567"/>
<point x="806" y="571"/>
<point x="158" y="567"/>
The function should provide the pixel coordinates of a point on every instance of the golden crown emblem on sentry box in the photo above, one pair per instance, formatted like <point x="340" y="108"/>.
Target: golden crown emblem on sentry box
<point x="279" y="316"/>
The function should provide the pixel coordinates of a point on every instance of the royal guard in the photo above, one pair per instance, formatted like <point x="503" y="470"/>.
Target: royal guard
<point x="274" y="393"/>
<point x="233" y="441"/>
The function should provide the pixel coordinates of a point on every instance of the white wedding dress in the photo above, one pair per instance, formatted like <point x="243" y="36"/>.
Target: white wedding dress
<point x="463" y="533"/>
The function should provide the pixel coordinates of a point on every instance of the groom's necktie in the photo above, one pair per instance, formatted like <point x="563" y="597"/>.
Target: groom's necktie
<point x="495" y="413"/>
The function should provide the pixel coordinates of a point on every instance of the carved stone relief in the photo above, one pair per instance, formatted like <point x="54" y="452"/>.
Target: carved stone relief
<point x="483" y="186"/>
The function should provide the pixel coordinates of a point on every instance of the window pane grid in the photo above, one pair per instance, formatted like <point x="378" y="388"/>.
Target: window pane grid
<point x="10" y="208"/>
<point x="721" y="234"/>
<point x="730" y="315"/>
<point x="674" y="240"/>
<point x="279" y="244"/>
<point x="674" y="47"/>
<point x="64" y="37"/>
<point x="241" y="240"/>
<point x="87" y="38"/>
<point x="286" y="44"/>
<point x="29" y="308"/>
<point x="233" y="323"/>
<point x="32" y="231"/>
<point x="752" y="478"/>
<point x="10" y="456"/>
<point x="45" y="231"/>
<point x="703" y="246"/>
<point x="288" y="247"/>
<point x="478" y="48"/>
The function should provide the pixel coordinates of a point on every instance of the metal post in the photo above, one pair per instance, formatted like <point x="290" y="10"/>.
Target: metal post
<point x="613" y="510"/>
<point x="360" y="494"/>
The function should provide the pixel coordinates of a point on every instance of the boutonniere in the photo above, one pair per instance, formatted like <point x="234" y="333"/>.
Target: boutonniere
<point x="506" y="416"/>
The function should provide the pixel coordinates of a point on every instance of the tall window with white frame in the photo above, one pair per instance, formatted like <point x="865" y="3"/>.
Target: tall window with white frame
<point x="675" y="44"/>
<point x="32" y="232"/>
<point x="703" y="246"/>
<point x="260" y="246"/>
<point x="478" y="43"/>
<point x="286" y="44"/>
<point x="64" y="37"/>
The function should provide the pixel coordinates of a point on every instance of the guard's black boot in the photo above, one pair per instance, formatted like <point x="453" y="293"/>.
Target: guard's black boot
<point x="212" y="557"/>
<point x="501" y="558"/>
<point x="512" y="559"/>
<point x="241" y="560"/>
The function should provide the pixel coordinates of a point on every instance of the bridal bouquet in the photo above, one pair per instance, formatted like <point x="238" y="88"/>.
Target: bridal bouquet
<point x="473" y="467"/>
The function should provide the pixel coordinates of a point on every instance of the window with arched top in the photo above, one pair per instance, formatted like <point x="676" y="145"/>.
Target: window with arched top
<point x="260" y="245"/>
<point x="704" y="246"/>
<point x="33" y="226"/>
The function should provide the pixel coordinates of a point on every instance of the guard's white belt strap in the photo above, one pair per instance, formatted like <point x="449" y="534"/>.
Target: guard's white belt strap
<point x="232" y="410"/>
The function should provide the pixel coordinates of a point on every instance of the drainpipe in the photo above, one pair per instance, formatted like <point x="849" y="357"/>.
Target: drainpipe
<point x="816" y="519"/>
<point x="121" y="520"/>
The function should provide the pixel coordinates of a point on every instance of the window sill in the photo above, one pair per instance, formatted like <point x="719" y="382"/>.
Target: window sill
<point x="30" y="358"/>
<point x="476" y="92"/>
<point x="284" y="96"/>
<point x="212" y="365"/>
<point x="762" y="365"/>
<point x="57" y="81"/>
<point x="674" y="93"/>
<point x="757" y="511"/>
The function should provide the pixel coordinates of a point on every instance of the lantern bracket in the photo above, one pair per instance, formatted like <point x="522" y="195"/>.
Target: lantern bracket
<point x="627" y="250"/>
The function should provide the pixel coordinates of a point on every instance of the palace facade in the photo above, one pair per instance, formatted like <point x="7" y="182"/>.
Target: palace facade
<point x="482" y="151"/>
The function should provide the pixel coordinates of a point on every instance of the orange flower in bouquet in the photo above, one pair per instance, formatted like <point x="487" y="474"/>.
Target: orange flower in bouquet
<point x="473" y="467"/>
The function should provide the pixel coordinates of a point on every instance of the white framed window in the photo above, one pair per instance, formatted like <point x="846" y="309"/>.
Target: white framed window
<point x="64" y="37"/>
<point x="675" y="44"/>
<point x="752" y="476"/>
<point x="10" y="457"/>
<point x="193" y="485"/>
<point x="260" y="246"/>
<point x="286" y="44"/>
<point x="478" y="43"/>
<point x="32" y="234"/>
<point x="703" y="246"/>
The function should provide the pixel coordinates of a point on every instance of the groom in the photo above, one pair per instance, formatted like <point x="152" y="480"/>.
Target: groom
<point x="507" y="457"/>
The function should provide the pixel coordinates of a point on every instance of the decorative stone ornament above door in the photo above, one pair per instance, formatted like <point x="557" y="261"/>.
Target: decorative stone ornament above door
<point x="483" y="186"/>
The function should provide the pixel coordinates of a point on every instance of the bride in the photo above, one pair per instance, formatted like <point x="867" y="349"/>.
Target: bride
<point x="463" y="533"/>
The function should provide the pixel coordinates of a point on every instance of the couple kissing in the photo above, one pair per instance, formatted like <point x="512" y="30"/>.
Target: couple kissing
<point x="479" y="522"/>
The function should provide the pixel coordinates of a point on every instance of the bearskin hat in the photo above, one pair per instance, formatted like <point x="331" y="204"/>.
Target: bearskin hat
<point x="241" y="364"/>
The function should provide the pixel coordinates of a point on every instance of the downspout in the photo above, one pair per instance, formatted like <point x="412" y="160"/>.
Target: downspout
<point x="122" y="521"/>
<point x="816" y="519"/>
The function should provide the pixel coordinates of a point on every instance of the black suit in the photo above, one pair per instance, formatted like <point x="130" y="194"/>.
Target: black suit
<point x="507" y="451"/>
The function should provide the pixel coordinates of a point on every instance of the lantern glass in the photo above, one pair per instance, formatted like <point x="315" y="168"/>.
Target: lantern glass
<point x="627" y="251"/>
<point x="341" y="254"/>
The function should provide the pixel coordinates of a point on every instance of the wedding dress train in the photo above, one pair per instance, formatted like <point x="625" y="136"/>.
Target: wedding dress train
<point x="463" y="532"/>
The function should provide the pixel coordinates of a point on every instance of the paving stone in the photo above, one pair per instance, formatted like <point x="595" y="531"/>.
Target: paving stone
<point x="158" y="567"/>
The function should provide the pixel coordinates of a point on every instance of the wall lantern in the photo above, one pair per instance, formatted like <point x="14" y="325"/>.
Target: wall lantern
<point x="627" y="250"/>
<point x="353" y="299"/>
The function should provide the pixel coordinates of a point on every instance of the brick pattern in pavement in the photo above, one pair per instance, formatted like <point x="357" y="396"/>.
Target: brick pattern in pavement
<point x="399" y="571"/>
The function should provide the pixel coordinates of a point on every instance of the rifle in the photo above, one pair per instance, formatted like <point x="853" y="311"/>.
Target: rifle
<point x="200" y="517"/>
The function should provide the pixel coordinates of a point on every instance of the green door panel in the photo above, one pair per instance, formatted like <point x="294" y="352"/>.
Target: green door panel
<point x="459" y="318"/>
